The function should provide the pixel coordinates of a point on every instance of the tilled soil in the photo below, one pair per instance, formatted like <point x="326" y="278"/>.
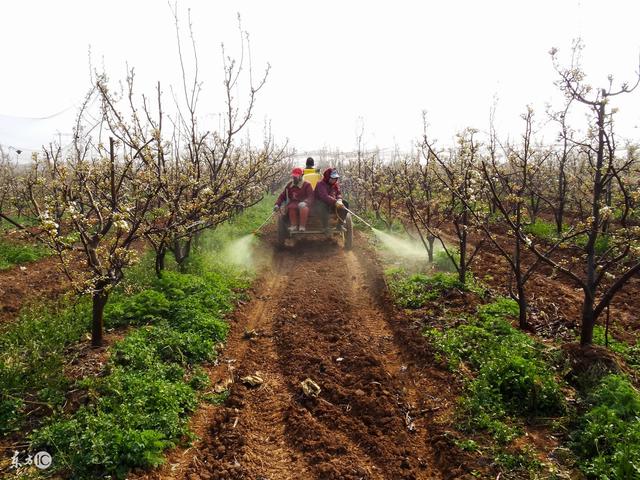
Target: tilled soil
<point x="322" y="313"/>
<point x="34" y="281"/>
<point x="556" y="301"/>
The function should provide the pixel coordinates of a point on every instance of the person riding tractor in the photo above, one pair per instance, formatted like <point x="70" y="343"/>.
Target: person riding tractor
<point x="298" y="197"/>
<point x="311" y="173"/>
<point x="328" y="198"/>
<point x="310" y="166"/>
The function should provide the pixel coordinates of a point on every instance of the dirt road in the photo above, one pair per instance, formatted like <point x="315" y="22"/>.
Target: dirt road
<point x="320" y="313"/>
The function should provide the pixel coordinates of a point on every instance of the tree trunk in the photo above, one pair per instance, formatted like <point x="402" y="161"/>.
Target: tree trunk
<point x="181" y="251"/>
<point x="99" y="299"/>
<point x="462" y="271"/>
<point x="588" y="322"/>
<point x="430" y="241"/>
<point x="562" y="200"/>
<point x="197" y="240"/>
<point x="607" y="200"/>
<point x="559" y="219"/>
<point x="533" y="210"/>
<point x="588" y="314"/>
<point x="517" y="261"/>
<point x="522" y="303"/>
<point x="160" y="261"/>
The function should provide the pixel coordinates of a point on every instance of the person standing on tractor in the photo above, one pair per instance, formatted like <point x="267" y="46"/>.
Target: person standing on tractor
<point x="329" y="199"/>
<point x="310" y="166"/>
<point x="297" y="197"/>
<point x="311" y="173"/>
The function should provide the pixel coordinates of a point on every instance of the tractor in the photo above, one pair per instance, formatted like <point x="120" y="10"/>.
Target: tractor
<point x="343" y="233"/>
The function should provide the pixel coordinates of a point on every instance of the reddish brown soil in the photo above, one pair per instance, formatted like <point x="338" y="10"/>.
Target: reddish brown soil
<point x="323" y="313"/>
<point x="34" y="281"/>
<point x="38" y="281"/>
<point x="554" y="299"/>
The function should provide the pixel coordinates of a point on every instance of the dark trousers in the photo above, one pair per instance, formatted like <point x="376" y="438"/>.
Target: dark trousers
<point x="324" y="211"/>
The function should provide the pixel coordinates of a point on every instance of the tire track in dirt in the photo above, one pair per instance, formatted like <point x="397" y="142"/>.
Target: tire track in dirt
<point x="347" y="431"/>
<point x="248" y="438"/>
<point x="327" y="327"/>
<point x="242" y="437"/>
<point x="317" y="315"/>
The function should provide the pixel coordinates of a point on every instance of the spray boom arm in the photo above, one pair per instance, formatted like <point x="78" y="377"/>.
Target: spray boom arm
<point x="358" y="217"/>
<point x="255" y="232"/>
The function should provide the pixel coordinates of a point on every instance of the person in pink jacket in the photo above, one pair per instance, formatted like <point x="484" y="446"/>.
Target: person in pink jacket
<point x="297" y="197"/>
<point x="329" y="198"/>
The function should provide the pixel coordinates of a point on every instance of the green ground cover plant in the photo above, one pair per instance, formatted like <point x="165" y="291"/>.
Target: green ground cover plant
<point x="139" y="404"/>
<point x="139" y="408"/>
<point x="443" y="263"/>
<point x="25" y="221"/>
<point x="547" y="231"/>
<point x="152" y="382"/>
<point x="20" y="253"/>
<point x="510" y="377"/>
<point x="33" y="348"/>
<point x="32" y="358"/>
<point x="414" y="291"/>
<point x="607" y="437"/>
<point x="542" y="229"/>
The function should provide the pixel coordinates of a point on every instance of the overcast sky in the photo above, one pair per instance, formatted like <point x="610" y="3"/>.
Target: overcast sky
<point x="335" y="65"/>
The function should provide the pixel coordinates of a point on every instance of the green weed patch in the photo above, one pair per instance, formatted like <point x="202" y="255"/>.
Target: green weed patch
<point x="20" y="253"/>
<point x="140" y="407"/>
<point x="603" y="242"/>
<point x="542" y="229"/>
<point x="607" y="438"/>
<point x="510" y="378"/>
<point x="139" y="404"/>
<point x="243" y="224"/>
<point x="32" y="358"/>
<point x="630" y="353"/>
<point x="443" y="263"/>
<point x="32" y="348"/>
<point x="415" y="291"/>
<point x="547" y="231"/>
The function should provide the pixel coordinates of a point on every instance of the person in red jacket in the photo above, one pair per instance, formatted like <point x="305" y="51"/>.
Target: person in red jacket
<point x="329" y="198"/>
<point x="297" y="197"/>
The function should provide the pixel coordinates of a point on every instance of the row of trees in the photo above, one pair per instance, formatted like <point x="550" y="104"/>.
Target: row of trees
<point x="136" y="176"/>
<point x="483" y="191"/>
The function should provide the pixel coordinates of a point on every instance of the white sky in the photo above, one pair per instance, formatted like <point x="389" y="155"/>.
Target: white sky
<point x="333" y="62"/>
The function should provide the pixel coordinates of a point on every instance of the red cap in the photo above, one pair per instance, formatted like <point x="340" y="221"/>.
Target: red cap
<point x="297" y="172"/>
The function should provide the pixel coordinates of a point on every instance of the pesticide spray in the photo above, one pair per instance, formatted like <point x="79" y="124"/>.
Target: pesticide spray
<point x="400" y="247"/>
<point x="240" y="252"/>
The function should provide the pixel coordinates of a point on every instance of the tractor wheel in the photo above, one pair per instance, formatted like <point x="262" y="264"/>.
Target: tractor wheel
<point x="282" y="231"/>
<point x="348" y="235"/>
